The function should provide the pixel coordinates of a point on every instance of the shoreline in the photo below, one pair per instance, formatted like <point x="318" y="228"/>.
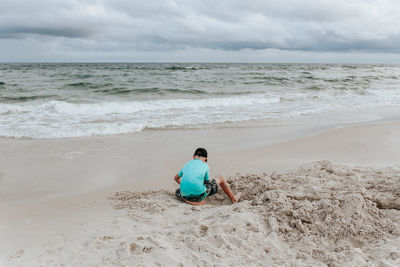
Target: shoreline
<point x="147" y="160"/>
<point x="81" y="209"/>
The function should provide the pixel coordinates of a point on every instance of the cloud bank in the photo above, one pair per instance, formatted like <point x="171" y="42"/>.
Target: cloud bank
<point x="133" y="30"/>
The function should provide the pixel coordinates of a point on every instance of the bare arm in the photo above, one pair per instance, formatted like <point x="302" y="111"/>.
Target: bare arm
<point x="177" y="179"/>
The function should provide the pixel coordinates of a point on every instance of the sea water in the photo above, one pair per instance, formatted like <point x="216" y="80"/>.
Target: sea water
<point x="57" y="100"/>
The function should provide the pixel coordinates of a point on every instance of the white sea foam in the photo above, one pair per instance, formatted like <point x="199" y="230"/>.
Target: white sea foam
<point x="162" y="96"/>
<point x="58" y="119"/>
<point x="105" y="108"/>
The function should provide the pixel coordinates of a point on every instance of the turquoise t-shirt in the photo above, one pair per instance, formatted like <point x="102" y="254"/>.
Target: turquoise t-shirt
<point x="193" y="175"/>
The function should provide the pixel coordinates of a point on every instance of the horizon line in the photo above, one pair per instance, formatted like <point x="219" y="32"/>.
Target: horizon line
<point x="190" y="62"/>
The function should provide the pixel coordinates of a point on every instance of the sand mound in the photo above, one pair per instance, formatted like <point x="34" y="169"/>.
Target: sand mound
<point x="328" y="212"/>
<point x="321" y="214"/>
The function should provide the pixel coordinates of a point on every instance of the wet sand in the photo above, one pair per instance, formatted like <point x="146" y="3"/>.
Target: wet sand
<point x="54" y="194"/>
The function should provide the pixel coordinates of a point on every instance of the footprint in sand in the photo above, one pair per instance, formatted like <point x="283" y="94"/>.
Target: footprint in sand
<point x="100" y="241"/>
<point x="137" y="249"/>
<point x="132" y="247"/>
<point x="16" y="254"/>
<point x="105" y="237"/>
<point x="203" y="229"/>
<point x="216" y="241"/>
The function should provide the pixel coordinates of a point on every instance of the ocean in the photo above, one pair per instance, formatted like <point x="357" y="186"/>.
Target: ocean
<point x="59" y="100"/>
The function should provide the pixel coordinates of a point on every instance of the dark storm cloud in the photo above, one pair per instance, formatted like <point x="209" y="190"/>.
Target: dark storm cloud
<point x="21" y="32"/>
<point x="175" y="25"/>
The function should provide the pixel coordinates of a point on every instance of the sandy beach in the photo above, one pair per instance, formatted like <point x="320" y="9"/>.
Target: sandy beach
<point x="115" y="114"/>
<point x="321" y="191"/>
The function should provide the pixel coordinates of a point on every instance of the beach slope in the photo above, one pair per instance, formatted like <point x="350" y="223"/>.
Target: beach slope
<point x="328" y="199"/>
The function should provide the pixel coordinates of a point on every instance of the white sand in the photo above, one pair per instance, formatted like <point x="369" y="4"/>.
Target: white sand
<point x="322" y="214"/>
<point x="56" y="208"/>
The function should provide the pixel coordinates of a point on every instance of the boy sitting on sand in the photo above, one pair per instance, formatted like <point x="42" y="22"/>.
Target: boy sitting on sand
<point x="194" y="181"/>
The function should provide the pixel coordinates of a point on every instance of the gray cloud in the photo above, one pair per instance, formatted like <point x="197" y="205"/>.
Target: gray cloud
<point x="22" y="32"/>
<point x="132" y="26"/>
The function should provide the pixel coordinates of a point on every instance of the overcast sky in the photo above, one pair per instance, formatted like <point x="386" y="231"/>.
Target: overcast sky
<point x="200" y="31"/>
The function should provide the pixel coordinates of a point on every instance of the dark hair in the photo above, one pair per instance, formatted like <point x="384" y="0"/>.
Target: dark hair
<point x="201" y="152"/>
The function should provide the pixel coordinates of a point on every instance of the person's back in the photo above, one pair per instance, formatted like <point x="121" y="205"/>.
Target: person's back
<point x="194" y="173"/>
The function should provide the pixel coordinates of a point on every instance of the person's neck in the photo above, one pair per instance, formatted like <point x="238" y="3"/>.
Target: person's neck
<point x="199" y="158"/>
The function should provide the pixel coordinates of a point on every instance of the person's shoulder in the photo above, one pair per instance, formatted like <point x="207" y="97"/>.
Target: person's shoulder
<point x="188" y="162"/>
<point x="205" y="165"/>
<point x="197" y="162"/>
